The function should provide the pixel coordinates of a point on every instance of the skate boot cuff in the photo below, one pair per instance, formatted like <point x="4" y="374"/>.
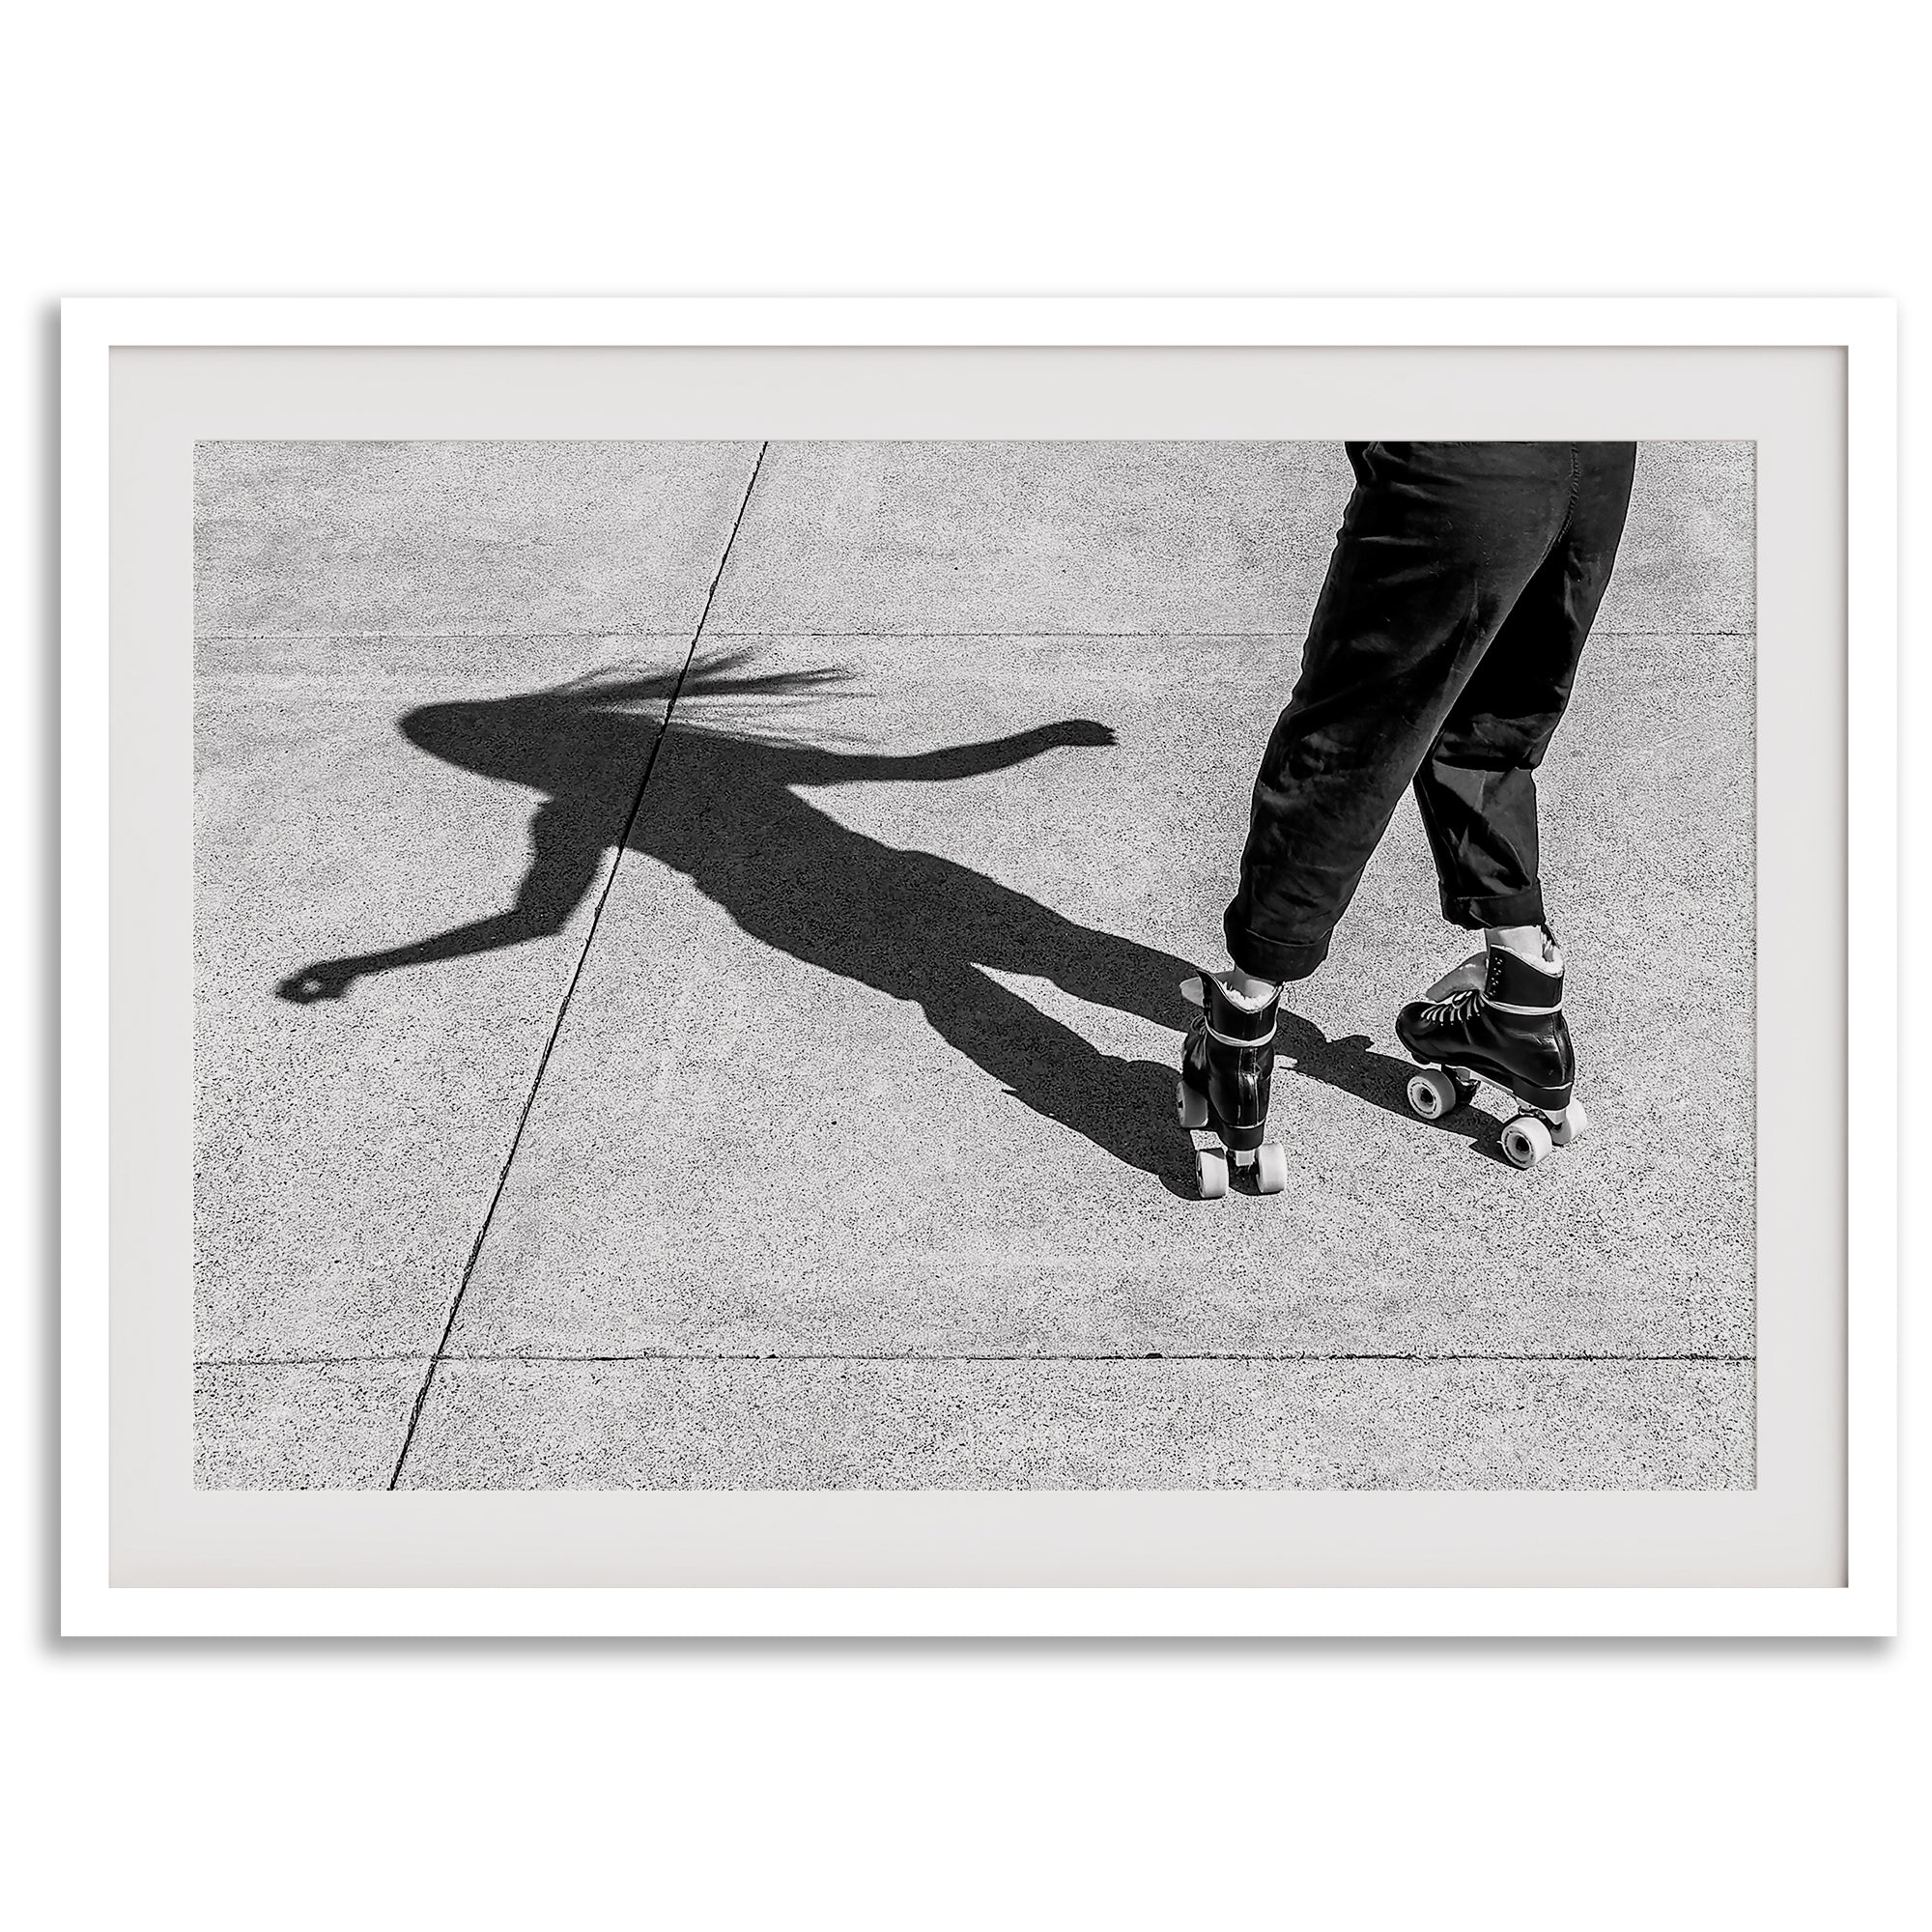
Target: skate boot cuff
<point x="1234" y="1024"/>
<point x="1513" y="986"/>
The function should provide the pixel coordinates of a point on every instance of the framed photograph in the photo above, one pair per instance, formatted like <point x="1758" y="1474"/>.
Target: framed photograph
<point x="979" y="967"/>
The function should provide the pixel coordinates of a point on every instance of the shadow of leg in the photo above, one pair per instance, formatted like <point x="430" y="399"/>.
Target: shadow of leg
<point x="1125" y="1107"/>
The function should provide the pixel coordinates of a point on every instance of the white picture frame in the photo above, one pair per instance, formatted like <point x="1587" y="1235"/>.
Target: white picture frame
<point x="1865" y="330"/>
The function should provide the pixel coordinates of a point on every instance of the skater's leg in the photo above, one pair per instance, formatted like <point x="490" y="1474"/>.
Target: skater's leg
<point x="1437" y="543"/>
<point x="1499" y="1016"/>
<point x="1477" y="787"/>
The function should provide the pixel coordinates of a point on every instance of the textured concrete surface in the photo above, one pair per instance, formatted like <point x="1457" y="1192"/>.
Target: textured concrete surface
<point x="1689" y="558"/>
<point x="870" y="1054"/>
<point x="1084" y="537"/>
<point x="301" y="1425"/>
<point x="384" y="539"/>
<point x="1177" y="538"/>
<point x="1086" y="1426"/>
<point x="886" y="1065"/>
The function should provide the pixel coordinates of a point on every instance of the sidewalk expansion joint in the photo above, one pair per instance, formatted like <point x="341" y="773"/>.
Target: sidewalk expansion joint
<point x="1095" y="1355"/>
<point x="1050" y="634"/>
<point x="576" y="974"/>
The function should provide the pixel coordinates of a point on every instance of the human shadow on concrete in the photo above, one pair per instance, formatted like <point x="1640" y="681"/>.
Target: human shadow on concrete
<point x="729" y="815"/>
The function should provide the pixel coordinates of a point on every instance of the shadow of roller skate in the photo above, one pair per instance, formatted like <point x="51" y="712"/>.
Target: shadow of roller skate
<point x="1351" y="1065"/>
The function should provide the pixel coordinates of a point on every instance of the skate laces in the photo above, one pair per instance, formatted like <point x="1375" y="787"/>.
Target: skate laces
<point x="1460" y="1005"/>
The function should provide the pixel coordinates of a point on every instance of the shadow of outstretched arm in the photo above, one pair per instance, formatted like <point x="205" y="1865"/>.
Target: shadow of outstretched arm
<point x="822" y="766"/>
<point x="565" y="850"/>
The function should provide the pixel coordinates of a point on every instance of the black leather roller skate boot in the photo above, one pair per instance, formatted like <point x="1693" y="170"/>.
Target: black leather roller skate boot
<point x="1505" y="1027"/>
<point x="1227" y="1067"/>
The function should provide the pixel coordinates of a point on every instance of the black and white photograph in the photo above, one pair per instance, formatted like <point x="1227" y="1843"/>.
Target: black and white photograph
<point x="968" y="969"/>
<point x="946" y="965"/>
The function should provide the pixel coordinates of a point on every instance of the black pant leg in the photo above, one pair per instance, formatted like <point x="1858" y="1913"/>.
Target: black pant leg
<point x="1437" y="543"/>
<point x="1477" y="787"/>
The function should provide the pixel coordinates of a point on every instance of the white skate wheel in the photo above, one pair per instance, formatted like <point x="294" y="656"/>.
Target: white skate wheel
<point x="1571" y="1124"/>
<point x="1432" y="1094"/>
<point x="1525" y="1140"/>
<point x="1191" y="1106"/>
<point x="1270" y="1168"/>
<point x="1211" y="1169"/>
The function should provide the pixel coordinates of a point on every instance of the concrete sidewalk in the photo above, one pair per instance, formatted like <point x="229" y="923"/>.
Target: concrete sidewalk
<point x="807" y="1120"/>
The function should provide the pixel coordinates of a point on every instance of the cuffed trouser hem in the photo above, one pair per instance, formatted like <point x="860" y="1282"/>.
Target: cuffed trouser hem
<point x="1270" y="958"/>
<point x="1523" y="908"/>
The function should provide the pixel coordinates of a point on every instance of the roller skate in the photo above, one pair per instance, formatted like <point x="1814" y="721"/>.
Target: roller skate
<point x="1498" y="1017"/>
<point x="1226" y="1067"/>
